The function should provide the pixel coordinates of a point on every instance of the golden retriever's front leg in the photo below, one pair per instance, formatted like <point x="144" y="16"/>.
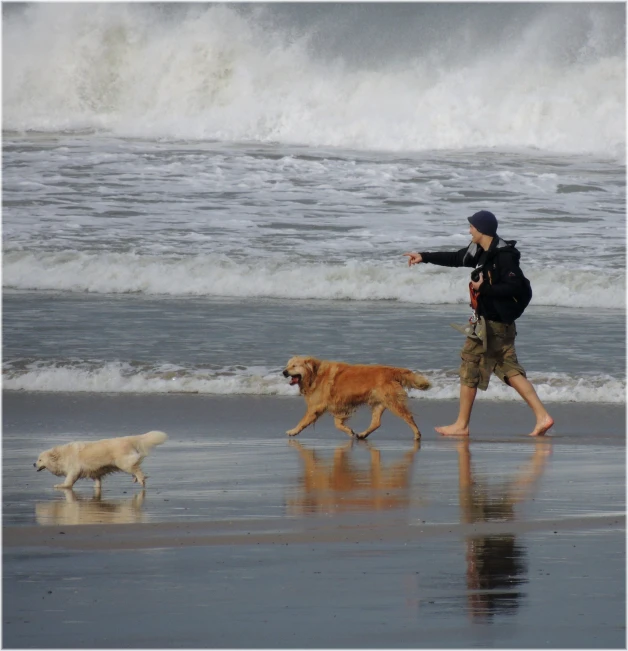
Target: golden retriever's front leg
<point x="308" y="419"/>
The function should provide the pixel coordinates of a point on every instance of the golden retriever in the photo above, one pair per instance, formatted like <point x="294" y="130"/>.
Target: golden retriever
<point x="340" y="388"/>
<point x="94" y="460"/>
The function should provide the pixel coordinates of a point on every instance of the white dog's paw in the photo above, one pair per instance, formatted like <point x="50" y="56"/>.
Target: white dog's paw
<point x="61" y="486"/>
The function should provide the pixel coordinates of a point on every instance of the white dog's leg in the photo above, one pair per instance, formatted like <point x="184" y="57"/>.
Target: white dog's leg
<point x="138" y="476"/>
<point x="131" y="464"/>
<point x="70" y="480"/>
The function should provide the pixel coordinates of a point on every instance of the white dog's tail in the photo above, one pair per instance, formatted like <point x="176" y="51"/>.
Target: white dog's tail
<point x="149" y="440"/>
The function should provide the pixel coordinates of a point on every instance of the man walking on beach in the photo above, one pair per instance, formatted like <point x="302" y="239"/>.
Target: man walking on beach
<point x="499" y="294"/>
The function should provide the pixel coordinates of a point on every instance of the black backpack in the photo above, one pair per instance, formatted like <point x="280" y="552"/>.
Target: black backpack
<point x="524" y="296"/>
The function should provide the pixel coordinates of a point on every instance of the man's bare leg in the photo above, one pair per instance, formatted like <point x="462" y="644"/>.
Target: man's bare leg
<point x="461" y="426"/>
<point x="525" y="389"/>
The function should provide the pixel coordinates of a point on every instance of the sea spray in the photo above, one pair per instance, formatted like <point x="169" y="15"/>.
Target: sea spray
<point x="425" y="79"/>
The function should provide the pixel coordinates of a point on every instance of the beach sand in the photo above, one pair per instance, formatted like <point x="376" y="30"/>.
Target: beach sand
<point x="245" y="538"/>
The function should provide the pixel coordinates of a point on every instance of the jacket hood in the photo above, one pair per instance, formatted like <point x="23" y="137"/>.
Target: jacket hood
<point x="504" y="246"/>
<point x="497" y="245"/>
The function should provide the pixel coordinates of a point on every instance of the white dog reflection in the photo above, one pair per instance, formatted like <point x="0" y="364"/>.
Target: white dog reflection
<point x="76" y="509"/>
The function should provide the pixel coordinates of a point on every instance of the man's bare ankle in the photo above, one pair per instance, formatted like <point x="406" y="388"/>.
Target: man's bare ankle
<point x="542" y="426"/>
<point x="456" y="429"/>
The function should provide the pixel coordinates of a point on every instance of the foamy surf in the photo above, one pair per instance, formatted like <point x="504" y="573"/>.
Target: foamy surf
<point x="119" y="377"/>
<point x="214" y="275"/>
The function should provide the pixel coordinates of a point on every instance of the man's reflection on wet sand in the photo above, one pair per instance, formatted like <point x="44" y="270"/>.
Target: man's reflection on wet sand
<point x="340" y="484"/>
<point x="77" y="509"/>
<point x="496" y="564"/>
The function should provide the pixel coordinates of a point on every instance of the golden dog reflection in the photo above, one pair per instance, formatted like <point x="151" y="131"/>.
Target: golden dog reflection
<point x="77" y="509"/>
<point x="339" y="484"/>
<point x="496" y="564"/>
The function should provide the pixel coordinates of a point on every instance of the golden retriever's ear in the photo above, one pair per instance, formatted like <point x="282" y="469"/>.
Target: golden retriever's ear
<point x="312" y="364"/>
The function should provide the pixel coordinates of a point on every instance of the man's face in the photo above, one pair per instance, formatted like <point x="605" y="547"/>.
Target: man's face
<point x="475" y="234"/>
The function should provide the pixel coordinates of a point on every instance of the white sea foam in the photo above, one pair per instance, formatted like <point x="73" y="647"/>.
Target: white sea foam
<point x="119" y="273"/>
<point x="555" y="82"/>
<point x="118" y="377"/>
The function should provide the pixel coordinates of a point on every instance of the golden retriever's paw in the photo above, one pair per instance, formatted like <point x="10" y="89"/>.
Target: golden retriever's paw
<point x="293" y="432"/>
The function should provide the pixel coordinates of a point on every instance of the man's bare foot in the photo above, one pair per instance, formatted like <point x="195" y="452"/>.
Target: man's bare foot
<point x="542" y="427"/>
<point x="453" y="430"/>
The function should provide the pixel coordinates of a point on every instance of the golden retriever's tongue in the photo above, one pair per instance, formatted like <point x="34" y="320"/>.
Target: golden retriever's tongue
<point x="294" y="380"/>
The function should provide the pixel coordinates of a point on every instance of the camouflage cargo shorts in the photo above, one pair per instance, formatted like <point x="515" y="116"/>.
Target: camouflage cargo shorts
<point x="500" y="357"/>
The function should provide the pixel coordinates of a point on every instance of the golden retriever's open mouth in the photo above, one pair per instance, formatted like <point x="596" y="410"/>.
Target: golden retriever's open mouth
<point x="294" y="379"/>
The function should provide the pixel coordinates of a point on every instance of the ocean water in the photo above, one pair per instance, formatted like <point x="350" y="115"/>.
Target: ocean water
<point x="194" y="193"/>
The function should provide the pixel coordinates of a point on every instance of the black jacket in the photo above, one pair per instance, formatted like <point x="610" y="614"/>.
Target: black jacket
<point x="505" y="292"/>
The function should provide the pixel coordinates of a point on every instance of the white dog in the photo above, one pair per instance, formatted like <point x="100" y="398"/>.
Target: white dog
<point x="94" y="460"/>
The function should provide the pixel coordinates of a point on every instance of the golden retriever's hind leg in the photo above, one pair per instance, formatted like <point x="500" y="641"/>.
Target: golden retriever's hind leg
<point x="376" y="421"/>
<point x="339" y="422"/>
<point x="399" y="409"/>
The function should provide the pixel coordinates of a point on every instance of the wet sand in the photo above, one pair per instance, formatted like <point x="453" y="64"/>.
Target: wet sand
<point x="244" y="538"/>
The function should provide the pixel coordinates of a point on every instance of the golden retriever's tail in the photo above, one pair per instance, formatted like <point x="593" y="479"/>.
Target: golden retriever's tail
<point x="149" y="440"/>
<point x="412" y="380"/>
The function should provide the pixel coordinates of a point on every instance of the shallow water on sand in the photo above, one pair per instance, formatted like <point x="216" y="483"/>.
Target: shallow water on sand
<point x="222" y="479"/>
<point x="496" y="541"/>
<point x="229" y="459"/>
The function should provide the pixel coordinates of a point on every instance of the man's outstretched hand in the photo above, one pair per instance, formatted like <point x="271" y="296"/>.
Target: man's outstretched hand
<point x="413" y="258"/>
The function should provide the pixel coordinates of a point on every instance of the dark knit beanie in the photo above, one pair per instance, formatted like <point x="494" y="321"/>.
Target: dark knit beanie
<point x="485" y="222"/>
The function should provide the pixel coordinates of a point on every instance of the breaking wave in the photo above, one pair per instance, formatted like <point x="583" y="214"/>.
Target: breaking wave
<point x="413" y="77"/>
<point x="206" y="275"/>
<point x="123" y="377"/>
